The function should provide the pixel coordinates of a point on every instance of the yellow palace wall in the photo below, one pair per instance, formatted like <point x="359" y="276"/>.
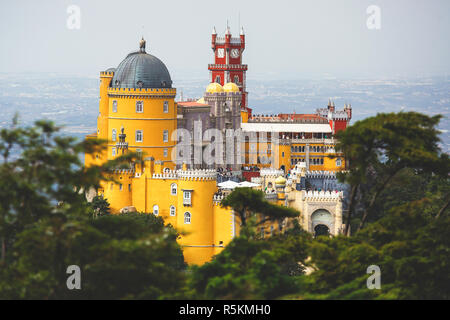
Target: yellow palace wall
<point x="284" y="154"/>
<point x="153" y="121"/>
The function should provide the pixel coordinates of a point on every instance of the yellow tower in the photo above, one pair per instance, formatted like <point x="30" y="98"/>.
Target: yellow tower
<point x="141" y="100"/>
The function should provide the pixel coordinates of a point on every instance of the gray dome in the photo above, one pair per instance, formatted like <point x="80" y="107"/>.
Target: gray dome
<point x="141" y="70"/>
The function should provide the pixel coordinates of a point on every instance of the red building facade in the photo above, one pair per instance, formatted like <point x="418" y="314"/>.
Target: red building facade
<point x="227" y="66"/>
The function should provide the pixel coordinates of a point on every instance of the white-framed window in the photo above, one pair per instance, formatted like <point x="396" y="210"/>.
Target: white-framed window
<point x="166" y="152"/>
<point x="166" y="136"/>
<point x="139" y="136"/>
<point x="173" y="211"/>
<point x="114" y="106"/>
<point x="218" y="79"/>
<point x="139" y="153"/>
<point x="338" y="162"/>
<point x="187" y="197"/>
<point x="139" y="106"/>
<point x="236" y="79"/>
<point x="166" y="107"/>
<point x="155" y="210"/>
<point x="114" y="135"/>
<point x="120" y="187"/>
<point x="187" y="218"/>
<point x="173" y="189"/>
<point x="113" y="151"/>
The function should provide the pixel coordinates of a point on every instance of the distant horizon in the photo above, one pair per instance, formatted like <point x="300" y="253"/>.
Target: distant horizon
<point x="263" y="76"/>
<point x="347" y="38"/>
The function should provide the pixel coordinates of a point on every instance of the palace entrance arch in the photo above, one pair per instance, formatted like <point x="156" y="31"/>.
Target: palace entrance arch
<point x="322" y="222"/>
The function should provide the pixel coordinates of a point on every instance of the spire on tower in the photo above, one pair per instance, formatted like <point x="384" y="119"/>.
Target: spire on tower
<point x="228" y="29"/>
<point x="242" y="31"/>
<point x="214" y="30"/>
<point x="142" y="45"/>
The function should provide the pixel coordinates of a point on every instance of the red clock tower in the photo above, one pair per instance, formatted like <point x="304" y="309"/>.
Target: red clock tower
<point x="228" y="65"/>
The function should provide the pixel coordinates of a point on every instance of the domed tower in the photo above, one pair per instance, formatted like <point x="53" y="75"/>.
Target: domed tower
<point x="280" y="185"/>
<point x="225" y="105"/>
<point x="139" y="98"/>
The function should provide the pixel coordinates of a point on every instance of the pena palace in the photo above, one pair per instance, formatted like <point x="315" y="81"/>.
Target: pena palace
<point x="138" y="112"/>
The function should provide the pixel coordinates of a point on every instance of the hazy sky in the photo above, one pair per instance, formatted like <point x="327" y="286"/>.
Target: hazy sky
<point x="284" y="38"/>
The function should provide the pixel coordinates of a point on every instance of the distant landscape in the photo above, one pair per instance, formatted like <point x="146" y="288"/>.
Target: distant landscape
<point x="72" y="101"/>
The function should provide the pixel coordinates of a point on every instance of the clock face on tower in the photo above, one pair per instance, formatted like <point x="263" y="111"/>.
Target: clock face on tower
<point x="220" y="52"/>
<point x="235" y="53"/>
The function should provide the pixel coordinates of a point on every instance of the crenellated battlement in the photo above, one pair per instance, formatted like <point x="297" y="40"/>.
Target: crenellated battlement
<point x="122" y="171"/>
<point x="107" y="74"/>
<point x="143" y="91"/>
<point x="322" y="195"/>
<point x="321" y="174"/>
<point x="191" y="174"/>
<point x="197" y="174"/>
<point x="271" y="172"/>
<point x="277" y="119"/>
<point x="165" y="175"/>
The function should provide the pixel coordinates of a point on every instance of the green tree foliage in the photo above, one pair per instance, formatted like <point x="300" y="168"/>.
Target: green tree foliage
<point x="120" y="258"/>
<point x="411" y="248"/>
<point x="46" y="225"/>
<point x="247" y="202"/>
<point x="379" y="147"/>
<point x="100" y="206"/>
<point x="251" y="268"/>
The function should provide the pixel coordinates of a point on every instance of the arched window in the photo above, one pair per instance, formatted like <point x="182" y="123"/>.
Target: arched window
<point x="114" y="106"/>
<point x="236" y="79"/>
<point x="139" y="106"/>
<point x="338" y="162"/>
<point x="114" y="135"/>
<point x="173" y="189"/>
<point x="155" y="210"/>
<point x="187" y="218"/>
<point x="173" y="211"/>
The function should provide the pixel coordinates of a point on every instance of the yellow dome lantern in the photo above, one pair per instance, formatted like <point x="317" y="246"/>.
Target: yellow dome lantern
<point x="214" y="87"/>
<point x="230" y="87"/>
<point x="280" y="181"/>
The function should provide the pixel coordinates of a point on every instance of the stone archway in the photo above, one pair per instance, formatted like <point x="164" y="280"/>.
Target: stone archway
<point x="321" y="230"/>
<point x="322" y="222"/>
